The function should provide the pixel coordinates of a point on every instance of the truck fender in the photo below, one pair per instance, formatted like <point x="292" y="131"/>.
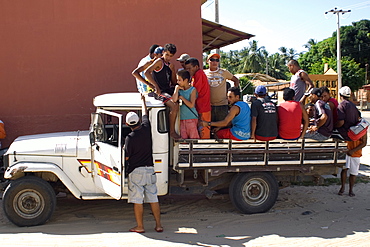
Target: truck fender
<point x="30" y="167"/>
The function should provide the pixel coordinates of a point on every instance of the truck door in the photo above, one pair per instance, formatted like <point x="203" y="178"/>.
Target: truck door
<point x="107" y="154"/>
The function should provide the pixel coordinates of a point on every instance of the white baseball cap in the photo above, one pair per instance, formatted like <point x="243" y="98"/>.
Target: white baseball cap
<point x="183" y="57"/>
<point x="345" y="91"/>
<point x="132" y="118"/>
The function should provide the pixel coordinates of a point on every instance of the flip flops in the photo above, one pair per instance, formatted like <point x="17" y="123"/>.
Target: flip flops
<point x="135" y="230"/>
<point x="158" y="229"/>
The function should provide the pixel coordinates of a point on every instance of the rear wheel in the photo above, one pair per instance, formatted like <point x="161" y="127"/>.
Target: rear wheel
<point x="253" y="192"/>
<point x="29" y="201"/>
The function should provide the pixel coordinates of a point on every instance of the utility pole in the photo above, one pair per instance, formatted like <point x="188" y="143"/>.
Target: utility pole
<point x="335" y="11"/>
<point x="217" y="19"/>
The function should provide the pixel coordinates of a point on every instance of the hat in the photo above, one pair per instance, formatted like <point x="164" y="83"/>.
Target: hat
<point x="183" y="57"/>
<point x="213" y="55"/>
<point x="345" y="91"/>
<point x="316" y="91"/>
<point x="159" y="50"/>
<point x="132" y="118"/>
<point x="260" y="90"/>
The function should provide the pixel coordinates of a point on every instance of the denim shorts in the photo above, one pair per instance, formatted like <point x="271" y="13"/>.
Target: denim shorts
<point x="141" y="185"/>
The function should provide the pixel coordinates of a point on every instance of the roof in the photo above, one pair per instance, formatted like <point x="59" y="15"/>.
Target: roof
<point x="124" y="100"/>
<point x="216" y="35"/>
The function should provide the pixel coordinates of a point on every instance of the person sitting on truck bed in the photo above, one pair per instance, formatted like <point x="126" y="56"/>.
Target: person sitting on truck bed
<point x="140" y="168"/>
<point x="311" y="111"/>
<point x="161" y="73"/>
<point x="291" y="115"/>
<point x="239" y="116"/>
<point x="264" y="116"/>
<point x="203" y="102"/>
<point x="324" y="118"/>
<point x="188" y="113"/>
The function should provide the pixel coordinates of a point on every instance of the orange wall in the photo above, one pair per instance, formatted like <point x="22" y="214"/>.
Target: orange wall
<point x="57" y="55"/>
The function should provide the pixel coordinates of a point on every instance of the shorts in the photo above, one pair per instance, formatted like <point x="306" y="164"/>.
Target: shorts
<point x="189" y="129"/>
<point x="142" y="185"/>
<point x="315" y="136"/>
<point x="353" y="164"/>
<point x="265" y="139"/>
<point x="164" y="97"/>
<point x="219" y="112"/>
<point x="205" y="132"/>
<point x="226" y="134"/>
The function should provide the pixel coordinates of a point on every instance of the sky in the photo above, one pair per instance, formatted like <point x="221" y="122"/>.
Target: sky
<point x="277" y="23"/>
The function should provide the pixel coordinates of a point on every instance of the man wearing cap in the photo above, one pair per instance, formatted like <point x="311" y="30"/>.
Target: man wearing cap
<point x="138" y="73"/>
<point x="239" y="117"/>
<point x="217" y="80"/>
<point x="142" y="85"/>
<point x="141" y="175"/>
<point x="203" y="101"/>
<point x="299" y="80"/>
<point x="182" y="60"/>
<point x="348" y="114"/>
<point x="324" y="118"/>
<point x="264" y="116"/>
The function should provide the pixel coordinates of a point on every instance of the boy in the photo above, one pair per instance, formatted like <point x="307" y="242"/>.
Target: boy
<point x="352" y="164"/>
<point x="203" y="102"/>
<point x="161" y="73"/>
<point x="188" y="113"/>
<point x="264" y="117"/>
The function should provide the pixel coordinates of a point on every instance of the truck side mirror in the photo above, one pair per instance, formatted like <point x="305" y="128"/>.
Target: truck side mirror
<point x="92" y="138"/>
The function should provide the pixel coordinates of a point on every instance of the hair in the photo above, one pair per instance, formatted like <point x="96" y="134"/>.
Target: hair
<point x="152" y="48"/>
<point x="324" y="89"/>
<point x="294" y="62"/>
<point x="235" y="90"/>
<point x="170" y="47"/>
<point x="193" y="61"/>
<point x="184" y="74"/>
<point x="308" y="105"/>
<point x="288" y="94"/>
<point x="345" y="97"/>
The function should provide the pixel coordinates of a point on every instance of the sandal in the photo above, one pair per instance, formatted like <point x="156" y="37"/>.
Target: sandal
<point x="135" y="230"/>
<point x="158" y="229"/>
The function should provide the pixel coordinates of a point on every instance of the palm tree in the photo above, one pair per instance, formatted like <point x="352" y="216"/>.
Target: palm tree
<point x="310" y="43"/>
<point x="254" y="61"/>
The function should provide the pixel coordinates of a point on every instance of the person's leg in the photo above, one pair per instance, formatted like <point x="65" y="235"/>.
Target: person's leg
<point x="352" y="180"/>
<point x="157" y="216"/>
<point x="226" y="134"/>
<point x="138" y="210"/>
<point x="183" y="132"/>
<point x="192" y="128"/>
<point x="174" y="109"/>
<point x="343" y="179"/>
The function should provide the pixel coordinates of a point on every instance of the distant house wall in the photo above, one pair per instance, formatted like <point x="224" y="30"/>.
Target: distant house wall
<point x="57" y="55"/>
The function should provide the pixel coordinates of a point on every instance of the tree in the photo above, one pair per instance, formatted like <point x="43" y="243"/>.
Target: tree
<point x="310" y="44"/>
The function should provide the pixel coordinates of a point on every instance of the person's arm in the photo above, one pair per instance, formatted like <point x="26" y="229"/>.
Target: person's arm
<point x="359" y="147"/>
<point x="190" y="103"/>
<point x="305" y="121"/>
<point x="253" y="127"/>
<point x="148" y="74"/>
<point x="2" y="130"/>
<point x="175" y="96"/>
<point x="173" y="75"/>
<point x="144" y="109"/>
<point x="304" y="76"/>
<point x="223" y="123"/>
<point x="236" y="81"/>
<point x="137" y="75"/>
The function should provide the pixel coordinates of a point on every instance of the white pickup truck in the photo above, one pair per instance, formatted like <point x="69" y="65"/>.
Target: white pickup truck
<point x="90" y="164"/>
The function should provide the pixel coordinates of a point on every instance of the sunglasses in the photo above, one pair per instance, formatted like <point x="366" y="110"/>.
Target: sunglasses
<point x="214" y="60"/>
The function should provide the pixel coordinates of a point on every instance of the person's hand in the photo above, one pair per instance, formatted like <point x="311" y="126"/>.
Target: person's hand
<point x="204" y="123"/>
<point x="350" y="152"/>
<point x="142" y="96"/>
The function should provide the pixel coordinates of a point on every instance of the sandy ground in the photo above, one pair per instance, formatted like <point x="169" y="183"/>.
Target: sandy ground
<point x="302" y="216"/>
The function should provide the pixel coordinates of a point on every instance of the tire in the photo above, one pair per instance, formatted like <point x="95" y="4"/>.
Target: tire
<point x="29" y="201"/>
<point x="253" y="193"/>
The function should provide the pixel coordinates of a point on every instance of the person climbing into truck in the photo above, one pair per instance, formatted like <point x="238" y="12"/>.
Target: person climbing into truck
<point x="188" y="114"/>
<point x="142" y="178"/>
<point x="161" y="73"/>
<point x="239" y="116"/>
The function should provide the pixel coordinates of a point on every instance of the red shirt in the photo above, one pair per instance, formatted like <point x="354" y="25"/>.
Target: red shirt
<point x="290" y="119"/>
<point x="200" y="82"/>
<point x="334" y="111"/>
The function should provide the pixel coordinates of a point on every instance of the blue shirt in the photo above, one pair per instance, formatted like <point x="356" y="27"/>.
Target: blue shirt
<point x="185" y="111"/>
<point x="242" y="122"/>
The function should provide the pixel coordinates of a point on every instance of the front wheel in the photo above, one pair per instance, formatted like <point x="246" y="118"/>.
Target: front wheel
<point x="253" y="193"/>
<point x="29" y="201"/>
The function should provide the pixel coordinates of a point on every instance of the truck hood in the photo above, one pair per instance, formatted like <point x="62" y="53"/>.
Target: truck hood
<point x="56" y="144"/>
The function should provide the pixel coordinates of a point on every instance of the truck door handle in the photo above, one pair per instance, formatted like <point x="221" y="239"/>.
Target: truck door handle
<point x="115" y="168"/>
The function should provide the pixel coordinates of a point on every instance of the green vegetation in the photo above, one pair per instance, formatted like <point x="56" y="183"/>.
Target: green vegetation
<point x="355" y="46"/>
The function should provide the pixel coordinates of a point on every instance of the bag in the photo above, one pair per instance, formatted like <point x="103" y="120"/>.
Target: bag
<point x="359" y="130"/>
